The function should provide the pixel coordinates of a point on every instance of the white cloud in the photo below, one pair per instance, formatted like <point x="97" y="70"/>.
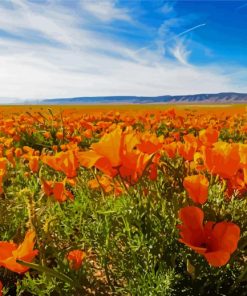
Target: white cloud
<point x="167" y="8"/>
<point x="105" y="10"/>
<point x="180" y="52"/>
<point x="49" y="72"/>
<point x="89" y="63"/>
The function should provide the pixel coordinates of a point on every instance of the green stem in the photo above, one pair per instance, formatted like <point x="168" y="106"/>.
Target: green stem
<point x="50" y="272"/>
<point x="101" y="187"/>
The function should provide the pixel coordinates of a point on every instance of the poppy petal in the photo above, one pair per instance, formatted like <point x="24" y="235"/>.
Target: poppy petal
<point x="228" y="235"/>
<point x="218" y="258"/>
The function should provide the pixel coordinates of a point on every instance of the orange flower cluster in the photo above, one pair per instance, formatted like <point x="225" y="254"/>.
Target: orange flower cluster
<point x="206" y="154"/>
<point x="115" y="151"/>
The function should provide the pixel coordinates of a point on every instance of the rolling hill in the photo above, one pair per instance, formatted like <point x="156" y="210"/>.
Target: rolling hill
<point x="230" y="97"/>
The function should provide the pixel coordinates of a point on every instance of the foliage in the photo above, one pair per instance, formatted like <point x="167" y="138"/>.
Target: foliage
<point x="122" y="214"/>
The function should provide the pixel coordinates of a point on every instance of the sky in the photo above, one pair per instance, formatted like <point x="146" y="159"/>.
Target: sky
<point x="74" y="48"/>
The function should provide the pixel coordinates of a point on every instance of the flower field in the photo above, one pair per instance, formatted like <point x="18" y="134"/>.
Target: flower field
<point x="123" y="200"/>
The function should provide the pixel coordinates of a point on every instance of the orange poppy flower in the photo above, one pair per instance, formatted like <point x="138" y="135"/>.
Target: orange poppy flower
<point x="187" y="150"/>
<point x="170" y="149"/>
<point x="88" y="134"/>
<point x="150" y="143"/>
<point x="109" y="147"/>
<point x="63" y="147"/>
<point x="57" y="189"/>
<point x="60" y="193"/>
<point x="190" y="138"/>
<point x="115" y="153"/>
<point x="47" y="135"/>
<point x="75" y="259"/>
<point x="10" y="252"/>
<point x="34" y="164"/>
<point x="104" y="182"/>
<point x="55" y="148"/>
<point x="10" y="155"/>
<point x="28" y="150"/>
<point x="133" y="166"/>
<point x="208" y="136"/>
<point x="222" y="159"/>
<point x="3" y="165"/>
<point x="88" y="158"/>
<point x="243" y="159"/>
<point x="236" y="184"/>
<point x="215" y="241"/>
<point x="153" y="172"/>
<point x="69" y="164"/>
<point x="59" y="135"/>
<point x="104" y="165"/>
<point x="105" y="154"/>
<point x="18" y="152"/>
<point x="65" y="162"/>
<point x="86" y="125"/>
<point x="93" y="184"/>
<point x="171" y="113"/>
<point x="197" y="188"/>
<point x="47" y="187"/>
<point x="175" y="135"/>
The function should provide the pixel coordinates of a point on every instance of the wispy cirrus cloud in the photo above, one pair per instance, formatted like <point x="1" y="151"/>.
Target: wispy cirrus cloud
<point x="167" y="8"/>
<point x="52" y="49"/>
<point x="181" y="53"/>
<point x="105" y="10"/>
<point x="179" y="50"/>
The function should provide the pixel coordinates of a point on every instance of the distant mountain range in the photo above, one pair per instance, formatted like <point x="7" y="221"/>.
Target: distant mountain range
<point x="228" y="97"/>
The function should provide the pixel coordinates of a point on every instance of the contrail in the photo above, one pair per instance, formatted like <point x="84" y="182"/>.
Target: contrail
<point x="188" y="30"/>
<point x="178" y="35"/>
<point x="241" y="6"/>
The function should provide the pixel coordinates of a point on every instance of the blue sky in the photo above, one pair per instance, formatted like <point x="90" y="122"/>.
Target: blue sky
<point x="67" y="48"/>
